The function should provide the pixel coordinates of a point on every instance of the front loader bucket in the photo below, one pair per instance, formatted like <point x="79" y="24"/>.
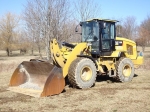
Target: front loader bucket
<point x="38" y="79"/>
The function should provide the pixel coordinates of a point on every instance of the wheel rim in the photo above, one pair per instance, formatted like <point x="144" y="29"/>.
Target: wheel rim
<point x="86" y="73"/>
<point x="127" y="70"/>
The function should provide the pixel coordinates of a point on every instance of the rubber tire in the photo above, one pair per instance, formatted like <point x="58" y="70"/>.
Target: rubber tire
<point x="119" y="69"/>
<point x="74" y="73"/>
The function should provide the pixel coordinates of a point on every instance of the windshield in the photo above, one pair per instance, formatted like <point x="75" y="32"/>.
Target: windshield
<point x="90" y="31"/>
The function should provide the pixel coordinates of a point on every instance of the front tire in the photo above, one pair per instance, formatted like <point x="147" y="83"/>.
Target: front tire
<point x="82" y="73"/>
<point x="124" y="70"/>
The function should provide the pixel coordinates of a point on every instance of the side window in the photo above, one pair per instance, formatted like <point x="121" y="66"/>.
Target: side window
<point x="108" y="32"/>
<point x="129" y="49"/>
<point x="112" y="28"/>
<point x="107" y="36"/>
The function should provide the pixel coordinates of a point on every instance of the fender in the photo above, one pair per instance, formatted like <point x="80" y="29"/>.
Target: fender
<point x="78" y="49"/>
<point x="89" y="58"/>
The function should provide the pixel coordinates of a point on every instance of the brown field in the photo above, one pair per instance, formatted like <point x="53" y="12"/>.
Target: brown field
<point x="105" y="96"/>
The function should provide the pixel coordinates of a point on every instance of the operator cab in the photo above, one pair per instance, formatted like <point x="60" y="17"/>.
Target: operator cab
<point x="100" y="34"/>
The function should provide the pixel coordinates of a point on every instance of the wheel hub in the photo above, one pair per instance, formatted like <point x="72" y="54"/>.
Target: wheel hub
<point x="86" y="73"/>
<point x="127" y="70"/>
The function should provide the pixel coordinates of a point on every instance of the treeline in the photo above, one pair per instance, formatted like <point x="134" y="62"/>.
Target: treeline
<point x="128" y="28"/>
<point x="43" y="20"/>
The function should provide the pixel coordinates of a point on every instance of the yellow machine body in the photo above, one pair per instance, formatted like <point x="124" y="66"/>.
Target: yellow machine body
<point x="64" y="56"/>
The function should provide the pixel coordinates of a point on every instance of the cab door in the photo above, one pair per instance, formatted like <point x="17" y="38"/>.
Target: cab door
<point x="108" y="37"/>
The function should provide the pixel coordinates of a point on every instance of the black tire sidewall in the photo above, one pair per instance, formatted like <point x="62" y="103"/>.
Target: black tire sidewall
<point x="123" y="62"/>
<point x="82" y="63"/>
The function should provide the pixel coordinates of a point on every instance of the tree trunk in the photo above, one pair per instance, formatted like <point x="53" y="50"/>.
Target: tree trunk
<point x="8" y="51"/>
<point x="48" y="50"/>
<point x="143" y="48"/>
<point x="32" y="51"/>
<point x="40" y="54"/>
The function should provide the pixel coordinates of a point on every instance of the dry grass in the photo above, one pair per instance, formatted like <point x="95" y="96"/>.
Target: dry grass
<point x="132" y="96"/>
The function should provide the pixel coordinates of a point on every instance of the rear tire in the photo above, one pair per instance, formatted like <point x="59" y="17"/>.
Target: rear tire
<point x="82" y="73"/>
<point x="124" y="70"/>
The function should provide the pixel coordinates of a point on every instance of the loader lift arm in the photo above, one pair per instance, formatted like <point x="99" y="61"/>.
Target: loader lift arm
<point x="59" y="60"/>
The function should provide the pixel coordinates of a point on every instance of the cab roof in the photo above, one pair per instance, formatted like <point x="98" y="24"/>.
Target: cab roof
<point x="109" y="20"/>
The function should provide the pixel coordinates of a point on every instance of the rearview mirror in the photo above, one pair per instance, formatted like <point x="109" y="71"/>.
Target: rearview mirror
<point x="76" y="29"/>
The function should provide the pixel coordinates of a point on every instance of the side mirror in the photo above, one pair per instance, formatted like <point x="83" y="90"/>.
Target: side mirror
<point x="76" y="29"/>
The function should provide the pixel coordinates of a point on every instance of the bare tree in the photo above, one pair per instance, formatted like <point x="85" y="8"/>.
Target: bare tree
<point x="127" y="28"/>
<point x="119" y="30"/>
<point x="23" y="42"/>
<point x="144" y="33"/>
<point x="1" y="42"/>
<point x="87" y="9"/>
<point x="8" y="25"/>
<point x="32" y="21"/>
<point x="45" y="20"/>
<point x="130" y="27"/>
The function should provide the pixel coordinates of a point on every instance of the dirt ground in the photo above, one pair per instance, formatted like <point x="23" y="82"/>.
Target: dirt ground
<point x="105" y="96"/>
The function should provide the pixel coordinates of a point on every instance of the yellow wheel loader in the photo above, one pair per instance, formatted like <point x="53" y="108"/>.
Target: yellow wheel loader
<point x="99" y="52"/>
